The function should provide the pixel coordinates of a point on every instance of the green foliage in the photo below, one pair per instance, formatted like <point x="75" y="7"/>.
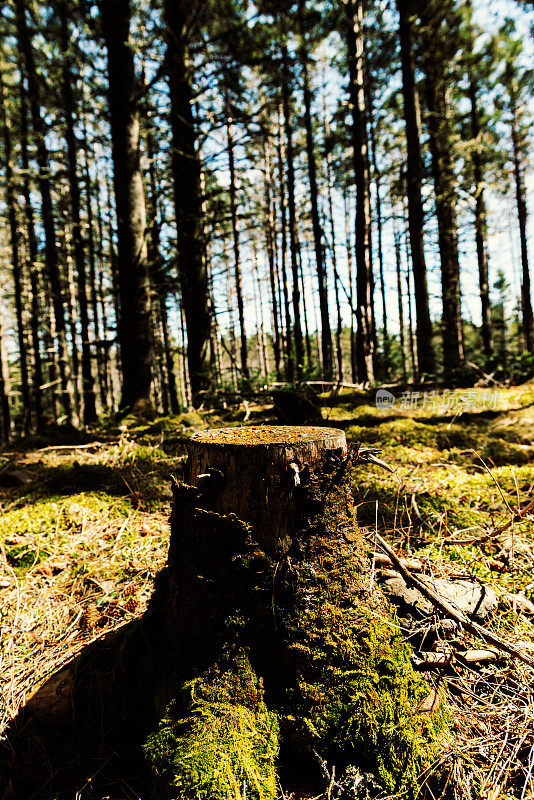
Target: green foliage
<point x="219" y="742"/>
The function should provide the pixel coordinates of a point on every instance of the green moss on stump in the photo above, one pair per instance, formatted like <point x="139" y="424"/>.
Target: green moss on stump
<point x="338" y="676"/>
<point x="357" y="696"/>
<point x="223" y="743"/>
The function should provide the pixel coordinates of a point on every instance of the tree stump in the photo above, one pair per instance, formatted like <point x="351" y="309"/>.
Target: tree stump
<point x="258" y="473"/>
<point x="267" y="655"/>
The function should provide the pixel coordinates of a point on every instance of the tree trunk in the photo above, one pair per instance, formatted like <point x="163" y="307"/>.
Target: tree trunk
<point x="47" y="212"/>
<point x="270" y="243"/>
<point x="364" y="332"/>
<point x="444" y="186"/>
<point x="236" y="248"/>
<point x="290" y="361"/>
<point x="187" y="196"/>
<point x="526" y="297"/>
<point x="69" y="109"/>
<point x="5" y="409"/>
<point x="135" y="336"/>
<point x="32" y="260"/>
<point x="414" y="176"/>
<point x="413" y="358"/>
<point x="326" y="333"/>
<point x="480" y="205"/>
<point x="480" y="221"/>
<point x="339" y="327"/>
<point x="307" y="338"/>
<point x="372" y="138"/>
<point x="159" y="278"/>
<point x="65" y="250"/>
<point x="15" y="261"/>
<point x="353" y="365"/>
<point x="292" y="213"/>
<point x="96" y="279"/>
<point x="396" y="237"/>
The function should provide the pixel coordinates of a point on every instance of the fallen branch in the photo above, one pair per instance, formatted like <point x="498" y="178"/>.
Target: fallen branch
<point x="70" y="447"/>
<point x="448" y="609"/>
<point x="382" y="560"/>
<point x="429" y="659"/>
<point x="497" y="532"/>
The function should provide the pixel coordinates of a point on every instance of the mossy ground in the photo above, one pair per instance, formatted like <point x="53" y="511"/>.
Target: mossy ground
<point x="90" y="525"/>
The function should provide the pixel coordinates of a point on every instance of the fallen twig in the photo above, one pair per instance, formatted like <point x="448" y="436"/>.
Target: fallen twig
<point x="70" y="447"/>
<point x="497" y="532"/>
<point x="382" y="560"/>
<point x="423" y="659"/>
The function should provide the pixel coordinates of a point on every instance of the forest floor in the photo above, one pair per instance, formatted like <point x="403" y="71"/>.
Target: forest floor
<point x="84" y="530"/>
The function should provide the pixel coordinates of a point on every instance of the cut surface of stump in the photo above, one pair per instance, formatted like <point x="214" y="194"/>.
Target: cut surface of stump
<point x="258" y="472"/>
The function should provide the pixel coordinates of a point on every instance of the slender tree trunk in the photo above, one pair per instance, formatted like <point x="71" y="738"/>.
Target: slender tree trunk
<point x="353" y="366"/>
<point x="480" y="221"/>
<point x="157" y="270"/>
<point x="307" y="338"/>
<point x="326" y="333"/>
<point x="115" y="367"/>
<point x="396" y="237"/>
<point x="236" y="249"/>
<point x="47" y="212"/>
<point x="526" y="297"/>
<point x="187" y="196"/>
<point x="97" y="293"/>
<point x="270" y="247"/>
<point x="480" y="205"/>
<point x="33" y="264"/>
<point x="410" y="326"/>
<point x="72" y="314"/>
<point x="444" y="186"/>
<point x="406" y="239"/>
<point x="290" y="362"/>
<point x="339" y="328"/>
<point x="372" y="138"/>
<point x="15" y="261"/>
<point x="135" y="336"/>
<point x="364" y="333"/>
<point x="293" y="246"/>
<point x="412" y="117"/>
<point x="69" y="110"/>
<point x="5" y="410"/>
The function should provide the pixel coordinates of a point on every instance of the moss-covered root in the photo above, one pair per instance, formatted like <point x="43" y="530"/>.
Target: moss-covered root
<point x="217" y="741"/>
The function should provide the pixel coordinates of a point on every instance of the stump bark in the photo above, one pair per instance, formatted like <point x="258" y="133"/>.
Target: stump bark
<point x="267" y="654"/>
<point x="258" y="473"/>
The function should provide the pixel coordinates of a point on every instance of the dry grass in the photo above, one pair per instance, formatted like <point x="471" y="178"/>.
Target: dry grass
<point x="73" y="566"/>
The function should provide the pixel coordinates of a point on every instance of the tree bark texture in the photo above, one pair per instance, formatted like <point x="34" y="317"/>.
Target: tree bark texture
<point x="69" y="110"/>
<point x="364" y="300"/>
<point x="134" y="324"/>
<point x="326" y="333"/>
<point x="439" y="128"/>
<point x="192" y="268"/>
<point x="414" y="178"/>
<point x="16" y="262"/>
